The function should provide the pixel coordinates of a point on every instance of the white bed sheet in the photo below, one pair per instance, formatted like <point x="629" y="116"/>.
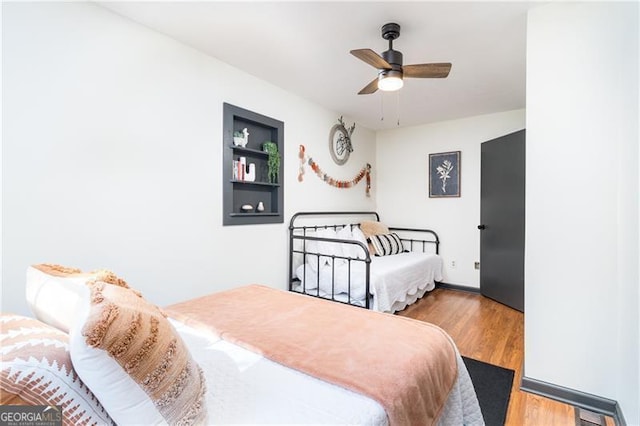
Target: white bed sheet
<point x="244" y="387"/>
<point x="396" y="281"/>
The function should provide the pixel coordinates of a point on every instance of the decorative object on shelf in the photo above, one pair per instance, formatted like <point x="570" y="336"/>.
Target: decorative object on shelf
<point x="260" y="207"/>
<point x="273" y="163"/>
<point x="241" y="138"/>
<point x="241" y="172"/>
<point x="239" y="168"/>
<point x="235" y="170"/>
<point x="246" y="208"/>
<point x="250" y="175"/>
<point x="444" y="174"/>
<point x="365" y="171"/>
<point x="340" y="145"/>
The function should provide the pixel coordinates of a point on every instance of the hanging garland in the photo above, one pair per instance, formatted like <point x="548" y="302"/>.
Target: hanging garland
<point x="365" y="171"/>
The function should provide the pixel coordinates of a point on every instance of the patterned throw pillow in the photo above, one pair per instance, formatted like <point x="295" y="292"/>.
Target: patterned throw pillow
<point x="135" y="362"/>
<point x="36" y="369"/>
<point x="387" y="244"/>
<point x="370" y="228"/>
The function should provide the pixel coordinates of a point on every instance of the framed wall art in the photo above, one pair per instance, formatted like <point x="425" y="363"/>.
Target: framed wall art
<point x="444" y="174"/>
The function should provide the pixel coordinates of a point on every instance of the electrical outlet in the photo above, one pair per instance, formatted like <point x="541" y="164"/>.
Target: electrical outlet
<point x="453" y="264"/>
<point x="476" y="265"/>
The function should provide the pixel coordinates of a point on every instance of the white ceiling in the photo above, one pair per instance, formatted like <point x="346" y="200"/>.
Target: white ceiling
<point x="304" y="47"/>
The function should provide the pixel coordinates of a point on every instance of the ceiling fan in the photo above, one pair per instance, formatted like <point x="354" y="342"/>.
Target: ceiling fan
<point x="389" y="65"/>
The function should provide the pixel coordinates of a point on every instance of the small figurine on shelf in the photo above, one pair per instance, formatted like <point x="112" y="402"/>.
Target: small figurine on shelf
<point x="241" y="138"/>
<point x="260" y="207"/>
<point x="273" y="162"/>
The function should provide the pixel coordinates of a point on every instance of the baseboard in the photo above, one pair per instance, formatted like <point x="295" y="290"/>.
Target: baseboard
<point x="458" y="287"/>
<point x="594" y="403"/>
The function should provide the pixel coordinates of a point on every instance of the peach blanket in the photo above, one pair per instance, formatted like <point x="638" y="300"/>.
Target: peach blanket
<point x="408" y="366"/>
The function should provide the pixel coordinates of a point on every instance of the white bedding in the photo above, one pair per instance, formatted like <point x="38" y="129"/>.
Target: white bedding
<point x="244" y="387"/>
<point x="396" y="281"/>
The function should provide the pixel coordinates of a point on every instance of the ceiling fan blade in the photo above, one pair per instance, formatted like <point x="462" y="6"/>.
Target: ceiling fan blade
<point x="435" y="70"/>
<point x="371" y="57"/>
<point x="369" y="88"/>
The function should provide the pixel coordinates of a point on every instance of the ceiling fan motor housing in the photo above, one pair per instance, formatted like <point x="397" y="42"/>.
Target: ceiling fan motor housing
<point x="391" y="31"/>
<point x="394" y="58"/>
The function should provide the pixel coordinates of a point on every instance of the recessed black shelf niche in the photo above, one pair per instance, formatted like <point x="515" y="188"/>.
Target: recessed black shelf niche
<point x="238" y="192"/>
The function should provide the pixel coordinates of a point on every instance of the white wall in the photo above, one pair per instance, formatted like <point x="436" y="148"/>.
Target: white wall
<point x="581" y="295"/>
<point x="1" y="173"/>
<point x="112" y="156"/>
<point x="403" y="191"/>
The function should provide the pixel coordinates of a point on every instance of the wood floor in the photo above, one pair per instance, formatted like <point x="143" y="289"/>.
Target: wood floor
<point x="489" y="331"/>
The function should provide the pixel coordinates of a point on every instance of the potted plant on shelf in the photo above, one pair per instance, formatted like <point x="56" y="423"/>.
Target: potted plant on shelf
<point x="273" y="162"/>
<point x="241" y="138"/>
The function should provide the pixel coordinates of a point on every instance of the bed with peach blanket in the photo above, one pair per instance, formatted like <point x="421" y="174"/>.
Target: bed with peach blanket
<point x="334" y="353"/>
<point x="251" y="355"/>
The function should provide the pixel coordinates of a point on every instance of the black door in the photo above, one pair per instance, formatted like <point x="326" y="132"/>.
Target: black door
<point x="502" y="172"/>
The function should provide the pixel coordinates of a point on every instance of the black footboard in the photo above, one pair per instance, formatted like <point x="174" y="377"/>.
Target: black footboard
<point x="339" y="269"/>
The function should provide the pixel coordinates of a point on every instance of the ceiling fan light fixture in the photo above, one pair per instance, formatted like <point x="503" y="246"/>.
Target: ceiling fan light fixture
<point x="390" y="80"/>
<point x="391" y="72"/>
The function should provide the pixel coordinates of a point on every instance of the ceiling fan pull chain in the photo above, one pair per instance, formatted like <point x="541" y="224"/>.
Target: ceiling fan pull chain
<point x="381" y="106"/>
<point x="398" y="107"/>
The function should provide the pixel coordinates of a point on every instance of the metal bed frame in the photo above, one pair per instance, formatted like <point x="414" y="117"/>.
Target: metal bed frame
<point x="299" y="239"/>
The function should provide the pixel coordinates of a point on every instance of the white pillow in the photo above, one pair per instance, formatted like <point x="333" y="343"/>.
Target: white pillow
<point x="310" y="282"/>
<point x="54" y="299"/>
<point x="53" y="292"/>
<point x="309" y="247"/>
<point x="345" y="234"/>
<point x="328" y="248"/>
<point x="358" y="235"/>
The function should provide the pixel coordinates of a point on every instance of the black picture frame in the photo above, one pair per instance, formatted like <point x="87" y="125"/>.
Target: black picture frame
<point x="444" y="174"/>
